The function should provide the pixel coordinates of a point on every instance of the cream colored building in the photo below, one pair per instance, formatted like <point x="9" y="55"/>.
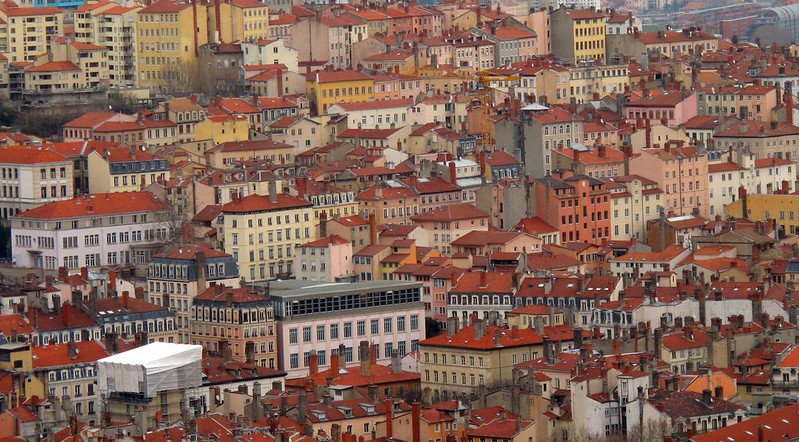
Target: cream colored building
<point x="35" y="24"/>
<point x="238" y="20"/>
<point x="634" y="201"/>
<point x="125" y="169"/>
<point x="460" y="361"/>
<point x="113" y="26"/>
<point x="588" y="79"/>
<point x="263" y="231"/>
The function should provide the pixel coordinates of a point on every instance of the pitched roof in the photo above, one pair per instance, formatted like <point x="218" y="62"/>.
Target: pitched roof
<point x="28" y="155"/>
<point x="340" y="75"/>
<point x="506" y="338"/>
<point x="263" y="203"/>
<point x="56" y="355"/>
<point x="453" y="212"/>
<point x="165" y="7"/>
<point x="54" y="66"/>
<point x="219" y="293"/>
<point x="99" y="204"/>
<point x="780" y="424"/>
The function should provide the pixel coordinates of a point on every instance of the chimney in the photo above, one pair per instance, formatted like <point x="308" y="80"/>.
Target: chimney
<point x="548" y="357"/>
<point x="452" y="325"/>
<point x="72" y="350"/>
<point x="323" y="224"/>
<point x="334" y="363"/>
<point x="416" y="417"/>
<point x="273" y="192"/>
<point x="125" y="298"/>
<point x="66" y="315"/>
<point x="372" y="229"/>
<point x="199" y="259"/>
<point x="313" y="364"/>
<point x="578" y="337"/>
<point x="389" y="419"/>
<point x="706" y="397"/>
<point x="365" y="358"/>
<point x="84" y="273"/>
<point x="453" y="173"/>
<point x="719" y="392"/>
<point x="479" y="329"/>
<point x="396" y="362"/>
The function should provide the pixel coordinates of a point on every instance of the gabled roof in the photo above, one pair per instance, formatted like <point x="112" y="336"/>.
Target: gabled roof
<point x="29" y="155"/>
<point x="494" y="337"/>
<point x="780" y="424"/>
<point x="263" y="203"/>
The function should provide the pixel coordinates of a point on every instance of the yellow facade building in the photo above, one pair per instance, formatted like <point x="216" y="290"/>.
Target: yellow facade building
<point x="170" y="34"/>
<point x="760" y="207"/>
<point x="222" y="129"/>
<point x="27" y="31"/>
<point x="238" y="21"/>
<point x="262" y="232"/>
<point x="125" y="169"/>
<point x="578" y="34"/>
<point x="326" y="88"/>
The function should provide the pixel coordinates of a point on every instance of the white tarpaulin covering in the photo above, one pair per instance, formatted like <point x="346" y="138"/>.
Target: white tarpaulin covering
<point x="152" y="368"/>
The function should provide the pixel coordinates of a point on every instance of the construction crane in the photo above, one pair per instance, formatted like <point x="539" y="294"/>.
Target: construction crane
<point x="486" y="103"/>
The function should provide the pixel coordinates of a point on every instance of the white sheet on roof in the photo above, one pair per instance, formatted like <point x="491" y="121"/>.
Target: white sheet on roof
<point x="151" y="369"/>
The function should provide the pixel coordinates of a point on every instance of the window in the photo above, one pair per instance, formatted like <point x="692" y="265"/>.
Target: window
<point x="348" y="329"/>
<point x="401" y="324"/>
<point x="387" y="325"/>
<point x="294" y="360"/>
<point x="320" y="333"/>
<point x="361" y="328"/>
<point x="333" y="331"/>
<point x="293" y="336"/>
<point x="414" y="322"/>
<point x="306" y="334"/>
<point x="375" y="326"/>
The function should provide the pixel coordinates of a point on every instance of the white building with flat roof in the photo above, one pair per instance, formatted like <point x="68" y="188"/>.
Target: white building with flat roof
<point x="322" y="316"/>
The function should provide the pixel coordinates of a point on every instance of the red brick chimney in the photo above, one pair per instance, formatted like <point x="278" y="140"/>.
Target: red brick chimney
<point x="313" y="364"/>
<point x="334" y="364"/>
<point x="84" y="273"/>
<point x="112" y="284"/>
<point x="389" y="418"/>
<point x="372" y="229"/>
<point x="125" y="298"/>
<point x="453" y="173"/>
<point x="416" y="415"/>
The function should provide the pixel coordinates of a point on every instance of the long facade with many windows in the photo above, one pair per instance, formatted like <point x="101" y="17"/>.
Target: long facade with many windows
<point x="321" y="317"/>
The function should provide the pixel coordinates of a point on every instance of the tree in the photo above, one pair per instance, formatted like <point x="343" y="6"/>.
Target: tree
<point x="431" y="327"/>
<point x="209" y="79"/>
<point x="655" y="430"/>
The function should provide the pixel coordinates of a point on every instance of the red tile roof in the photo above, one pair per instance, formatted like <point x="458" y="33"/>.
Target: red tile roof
<point x="332" y="240"/>
<point x="27" y="12"/>
<point x="507" y="338"/>
<point x="263" y="203"/>
<point x="755" y="128"/>
<point x="165" y="7"/>
<point x="780" y="424"/>
<point x="239" y="295"/>
<point x="28" y="155"/>
<point x="340" y="75"/>
<point x="100" y="204"/>
<point x="380" y="134"/>
<point x="495" y="282"/>
<point x="56" y="355"/>
<point x="454" y="212"/>
<point x="678" y="341"/>
<point x="189" y="252"/>
<point x="54" y="66"/>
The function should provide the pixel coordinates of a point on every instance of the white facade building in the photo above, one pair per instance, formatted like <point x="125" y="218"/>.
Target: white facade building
<point x="90" y="231"/>
<point x="30" y="177"/>
<point x="322" y="316"/>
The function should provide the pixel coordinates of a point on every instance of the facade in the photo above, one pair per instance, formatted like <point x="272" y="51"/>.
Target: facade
<point x="680" y="173"/>
<point x="91" y="231"/>
<point x="36" y="24"/>
<point x="263" y="232"/>
<point x="236" y="320"/>
<point x="124" y="169"/>
<point x="578" y="205"/>
<point x="326" y="259"/>
<point x="323" y="316"/>
<point x="176" y="277"/>
<point x="69" y="371"/>
<point x="460" y="361"/>
<point x="326" y="88"/>
<point x="578" y="34"/>
<point x="113" y="26"/>
<point x="32" y="177"/>
<point x="167" y="52"/>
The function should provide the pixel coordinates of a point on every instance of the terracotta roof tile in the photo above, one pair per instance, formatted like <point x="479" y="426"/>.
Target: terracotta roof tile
<point x="100" y="204"/>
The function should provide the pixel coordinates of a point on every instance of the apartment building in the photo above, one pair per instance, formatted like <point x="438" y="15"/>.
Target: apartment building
<point x="326" y="259"/>
<point x="176" y="277"/>
<point x="681" y="172"/>
<point x="578" y="205"/>
<point x="69" y="371"/>
<point x="105" y="229"/>
<point x="634" y="200"/>
<point x="236" y="323"/>
<point x="262" y="232"/>
<point x="322" y="316"/>
<point x="28" y="31"/>
<point x="238" y="21"/>
<point x="463" y="359"/>
<point x="170" y="33"/>
<point x="112" y="26"/>
<point x="326" y="88"/>
<point x="125" y="169"/>
<point x="30" y="177"/>
<point x="578" y="34"/>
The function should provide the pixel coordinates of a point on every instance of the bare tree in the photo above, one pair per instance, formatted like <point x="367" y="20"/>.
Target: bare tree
<point x="655" y="430"/>
<point x="204" y="78"/>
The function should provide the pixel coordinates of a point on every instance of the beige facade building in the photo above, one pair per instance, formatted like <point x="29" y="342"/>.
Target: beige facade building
<point x="460" y="361"/>
<point x="263" y="231"/>
<point x="35" y="24"/>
